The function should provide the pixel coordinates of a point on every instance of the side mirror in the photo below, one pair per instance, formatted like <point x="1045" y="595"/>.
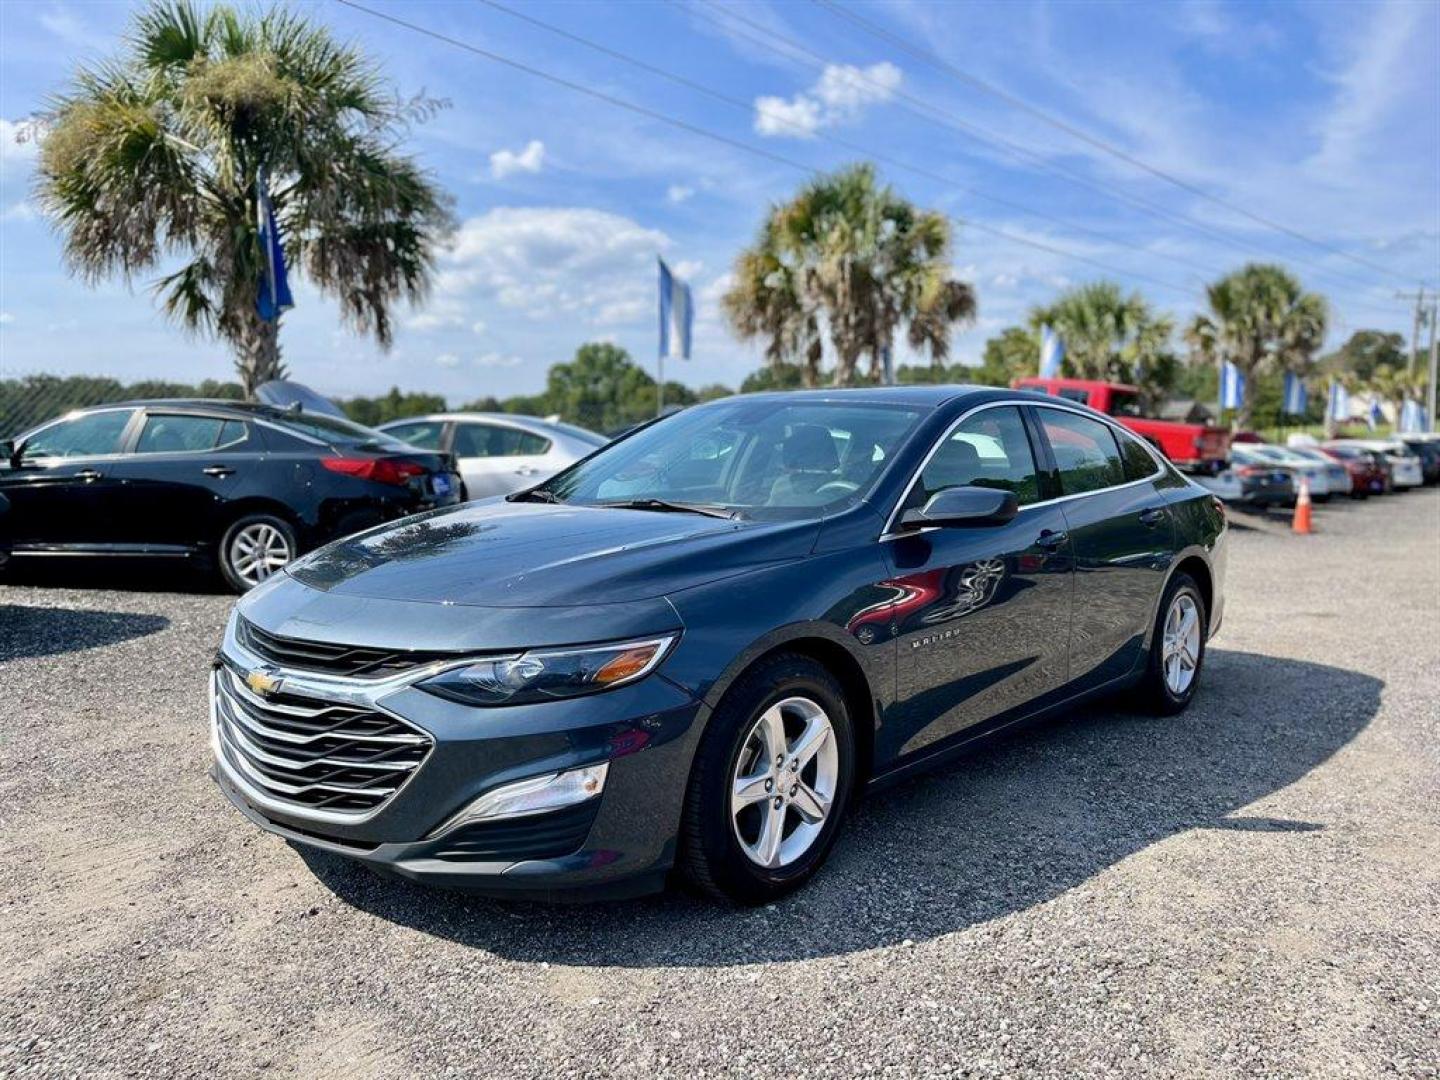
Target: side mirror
<point x="960" y="506"/>
<point x="9" y="452"/>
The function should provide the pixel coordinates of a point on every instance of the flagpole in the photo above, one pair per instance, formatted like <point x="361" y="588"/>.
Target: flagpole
<point x="660" y="386"/>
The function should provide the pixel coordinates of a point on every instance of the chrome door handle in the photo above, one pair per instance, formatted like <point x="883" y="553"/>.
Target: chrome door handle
<point x="1051" y="540"/>
<point x="1152" y="517"/>
<point x="218" y="470"/>
<point x="89" y="475"/>
<point x="526" y="470"/>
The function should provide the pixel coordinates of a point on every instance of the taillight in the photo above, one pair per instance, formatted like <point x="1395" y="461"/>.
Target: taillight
<point x="380" y="470"/>
<point x="1250" y="470"/>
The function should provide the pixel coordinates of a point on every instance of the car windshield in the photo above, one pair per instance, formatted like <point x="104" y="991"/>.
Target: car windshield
<point x="335" y="431"/>
<point x="758" y="458"/>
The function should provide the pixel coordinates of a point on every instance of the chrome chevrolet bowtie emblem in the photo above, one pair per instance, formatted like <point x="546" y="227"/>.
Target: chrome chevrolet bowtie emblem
<point x="263" y="682"/>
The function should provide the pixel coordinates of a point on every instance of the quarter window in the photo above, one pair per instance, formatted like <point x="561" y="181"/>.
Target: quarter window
<point x="1139" y="465"/>
<point x="1085" y="450"/>
<point x="90" y="435"/>
<point x="989" y="449"/>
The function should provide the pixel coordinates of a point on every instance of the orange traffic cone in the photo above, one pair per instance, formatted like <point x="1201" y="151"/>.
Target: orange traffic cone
<point x="1301" y="523"/>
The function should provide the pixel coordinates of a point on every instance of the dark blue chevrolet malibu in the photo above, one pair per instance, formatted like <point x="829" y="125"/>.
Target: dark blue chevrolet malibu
<point x="690" y="652"/>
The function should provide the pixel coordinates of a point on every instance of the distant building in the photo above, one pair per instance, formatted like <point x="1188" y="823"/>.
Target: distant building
<point x="1184" y="411"/>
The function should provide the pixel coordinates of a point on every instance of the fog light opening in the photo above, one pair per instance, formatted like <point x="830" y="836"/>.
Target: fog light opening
<point x="535" y="795"/>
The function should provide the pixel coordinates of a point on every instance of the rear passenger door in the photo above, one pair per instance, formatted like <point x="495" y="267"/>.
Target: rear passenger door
<point x="181" y="470"/>
<point x="1121" y="533"/>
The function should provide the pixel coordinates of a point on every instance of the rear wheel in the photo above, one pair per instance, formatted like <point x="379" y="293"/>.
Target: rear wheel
<point x="771" y="783"/>
<point x="253" y="548"/>
<point x="1177" y="649"/>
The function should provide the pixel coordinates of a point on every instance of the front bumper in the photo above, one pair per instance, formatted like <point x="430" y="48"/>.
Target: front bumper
<point x="619" y="842"/>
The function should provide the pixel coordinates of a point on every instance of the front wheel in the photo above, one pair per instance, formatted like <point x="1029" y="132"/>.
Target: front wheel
<point x="1177" y="649"/>
<point x="770" y="784"/>
<point x="253" y="548"/>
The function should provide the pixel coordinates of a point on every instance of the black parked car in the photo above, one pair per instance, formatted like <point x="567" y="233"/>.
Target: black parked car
<point x="247" y="486"/>
<point x="693" y="649"/>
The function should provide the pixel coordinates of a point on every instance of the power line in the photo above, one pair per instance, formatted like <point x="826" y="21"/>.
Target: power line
<point x="846" y="144"/>
<point x="937" y="115"/>
<point x="695" y="129"/>
<point x="1013" y="100"/>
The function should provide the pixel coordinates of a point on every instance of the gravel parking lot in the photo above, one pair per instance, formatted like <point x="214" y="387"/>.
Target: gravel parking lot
<point x="1250" y="889"/>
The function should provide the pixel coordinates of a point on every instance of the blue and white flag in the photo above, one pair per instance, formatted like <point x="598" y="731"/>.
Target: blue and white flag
<point x="1295" y="395"/>
<point x="1339" y="405"/>
<point x="1052" y="351"/>
<point x="1375" y="415"/>
<point x="274" y="295"/>
<point x="1412" y="417"/>
<point x="1232" y="387"/>
<point x="677" y="315"/>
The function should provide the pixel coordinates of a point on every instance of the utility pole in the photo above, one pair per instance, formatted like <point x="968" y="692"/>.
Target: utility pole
<point x="1430" y="386"/>
<point x="1419" y="298"/>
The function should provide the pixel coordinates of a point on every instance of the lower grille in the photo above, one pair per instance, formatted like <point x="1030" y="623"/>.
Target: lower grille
<point x="314" y="755"/>
<point x="538" y="836"/>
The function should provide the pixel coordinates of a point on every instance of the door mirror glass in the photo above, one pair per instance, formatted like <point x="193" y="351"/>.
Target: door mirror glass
<point x="962" y="506"/>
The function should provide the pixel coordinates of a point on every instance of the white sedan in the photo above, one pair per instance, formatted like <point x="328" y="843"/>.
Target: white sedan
<point x="1406" y="470"/>
<point x="498" y="453"/>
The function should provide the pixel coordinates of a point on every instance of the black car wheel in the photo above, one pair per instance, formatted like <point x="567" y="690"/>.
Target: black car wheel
<point x="771" y="783"/>
<point x="1177" y="648"/>
<point x="253" y="548"/>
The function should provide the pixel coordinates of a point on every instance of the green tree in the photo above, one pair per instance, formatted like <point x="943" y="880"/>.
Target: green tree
<point x="1012" y="354"/>
<point x="1113" y="336"/>
<point x="602" y="388"/>
<point x="396" y="405"/>
<point x="1366" y="350"/>
<point x="157" y="154"/>
<point x="851" y="255"/>
<point x="1260" y="319"/>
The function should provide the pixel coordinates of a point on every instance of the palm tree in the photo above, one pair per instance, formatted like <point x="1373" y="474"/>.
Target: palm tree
<point x="1259" y="318"/>
<point x="853" y="252"/>
<point x="1109" y="335"/>
<point x="157" y="154"/>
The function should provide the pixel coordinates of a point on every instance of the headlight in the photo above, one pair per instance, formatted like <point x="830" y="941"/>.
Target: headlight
<point x="548" y="674"/>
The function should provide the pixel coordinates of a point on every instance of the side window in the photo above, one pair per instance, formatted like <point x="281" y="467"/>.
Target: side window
<point x="232" y="434"/>
<point x="425" y="434"/>
<point x="172" y="434"/>
<point x="1085" y="451"/>
<point x="1139" y="465"/>
<point x="84" y="436"/>
<point x="990" y="449"/>
<point x="512" y="442"/>
<point x="473" y="440"/>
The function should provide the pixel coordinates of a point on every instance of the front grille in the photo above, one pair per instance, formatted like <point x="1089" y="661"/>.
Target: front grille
<point x="315" y="755"/>
<point x="331" y="659"/>
<point x="537" y="836"/>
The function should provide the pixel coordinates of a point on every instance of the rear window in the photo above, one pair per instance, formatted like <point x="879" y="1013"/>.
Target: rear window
<point x="333" y="430"/>
<point x="1085" y="451"/>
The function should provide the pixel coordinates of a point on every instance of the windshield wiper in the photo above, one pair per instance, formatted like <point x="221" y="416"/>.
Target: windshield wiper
<point x="668" y="507"/>
<point x="533" y="495"/>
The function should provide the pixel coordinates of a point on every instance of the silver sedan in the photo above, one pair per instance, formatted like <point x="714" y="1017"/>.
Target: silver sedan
<point x="498" y="453"/>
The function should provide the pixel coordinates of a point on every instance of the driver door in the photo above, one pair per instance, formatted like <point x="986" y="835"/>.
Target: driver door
<point x="982" y="620"/>
<point x="64" y="490"/>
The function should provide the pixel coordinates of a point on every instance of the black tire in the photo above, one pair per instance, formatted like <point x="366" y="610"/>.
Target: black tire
<point x="710" y="856"/>
<point x="1154" y="693"/>
<point x="234" y="575"/>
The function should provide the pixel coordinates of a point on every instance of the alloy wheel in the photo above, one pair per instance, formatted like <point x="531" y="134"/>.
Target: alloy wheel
<point x="1180" y="648"/>
<point x="784" y="783"/>
<point x="257" y="551"/>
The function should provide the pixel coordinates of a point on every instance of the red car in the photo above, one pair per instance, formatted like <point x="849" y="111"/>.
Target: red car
<point x="1193" y="447"/>
<point x="1368" y="475"/>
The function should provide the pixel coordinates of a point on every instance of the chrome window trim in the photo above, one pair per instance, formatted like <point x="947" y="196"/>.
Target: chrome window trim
<point x="891" y="532"/>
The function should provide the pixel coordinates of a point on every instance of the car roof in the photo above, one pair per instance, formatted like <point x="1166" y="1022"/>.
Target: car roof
<point x="925" y="395"/>
<point x="515" y="419"/>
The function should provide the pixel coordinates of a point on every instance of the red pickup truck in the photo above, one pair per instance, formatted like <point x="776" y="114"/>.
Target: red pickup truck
<point x="1195" y="447"/>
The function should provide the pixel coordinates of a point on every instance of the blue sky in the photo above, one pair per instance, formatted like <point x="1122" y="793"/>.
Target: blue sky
<point x="1322" y="116"/>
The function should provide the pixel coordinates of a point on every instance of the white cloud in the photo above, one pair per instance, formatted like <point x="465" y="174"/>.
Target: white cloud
<point x="497" y="360"/>
<point x="448" y="360"/>
<point x="678" y="193"/>
<point x="6" y="318"/>
<point x="439" y="317"/>
<point x="549" y="263"/>
<point x="505" y="163"/>
<point x="477" y="327"/>
<point x="840" y="95"/>
<point x="16" y="155"/>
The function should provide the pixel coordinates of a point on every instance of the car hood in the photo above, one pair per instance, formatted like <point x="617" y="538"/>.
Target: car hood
<point x="503" y="555"/>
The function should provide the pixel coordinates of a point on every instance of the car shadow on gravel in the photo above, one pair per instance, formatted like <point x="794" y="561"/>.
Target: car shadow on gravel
<point x="36" y="631"/>
<point x="1013" y="824"/>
